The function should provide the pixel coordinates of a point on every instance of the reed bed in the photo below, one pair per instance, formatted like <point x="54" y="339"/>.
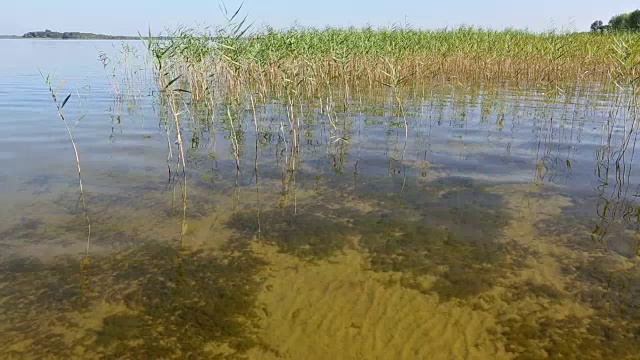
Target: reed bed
<point x="309" y="61"/>
<point x="328" y="69"/>
<point x="325" y="73"/>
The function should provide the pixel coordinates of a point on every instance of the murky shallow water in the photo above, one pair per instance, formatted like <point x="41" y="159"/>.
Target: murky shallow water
<point x="500" y="228"/>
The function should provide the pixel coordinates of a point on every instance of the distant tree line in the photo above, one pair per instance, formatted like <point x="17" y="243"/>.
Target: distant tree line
<point x="48" y="34"/>
<point x="623" y="22"/>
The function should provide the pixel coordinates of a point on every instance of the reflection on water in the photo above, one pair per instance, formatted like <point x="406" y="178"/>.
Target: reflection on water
<point x="502" y="224"/>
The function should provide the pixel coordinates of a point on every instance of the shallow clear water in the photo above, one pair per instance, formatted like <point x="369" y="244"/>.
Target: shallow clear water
<point x="502" y="225"/>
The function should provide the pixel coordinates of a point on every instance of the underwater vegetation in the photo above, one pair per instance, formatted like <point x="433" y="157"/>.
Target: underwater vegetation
<point x="453" y="235"/>
<point x="187" y="299"/>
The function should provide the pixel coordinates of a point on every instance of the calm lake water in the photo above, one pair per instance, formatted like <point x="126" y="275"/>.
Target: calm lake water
<point x="503" y="224"/>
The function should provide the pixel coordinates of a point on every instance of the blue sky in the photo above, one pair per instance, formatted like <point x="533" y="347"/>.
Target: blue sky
<point x="126" y="17"/>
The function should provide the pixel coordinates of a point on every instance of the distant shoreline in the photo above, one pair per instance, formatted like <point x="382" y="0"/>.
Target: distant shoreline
<point x="5" y="37"/>
<point x="68" y="35"/>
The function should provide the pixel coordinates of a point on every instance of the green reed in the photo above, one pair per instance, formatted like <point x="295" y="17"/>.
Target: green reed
<point x="351" y="58"/>
<point x="235" y="63"/>
<point x="49" y="81"/>
<point x="331" y="67"/>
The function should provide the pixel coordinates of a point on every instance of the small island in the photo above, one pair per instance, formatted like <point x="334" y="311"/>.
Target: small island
<point x="48" y="34"/>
